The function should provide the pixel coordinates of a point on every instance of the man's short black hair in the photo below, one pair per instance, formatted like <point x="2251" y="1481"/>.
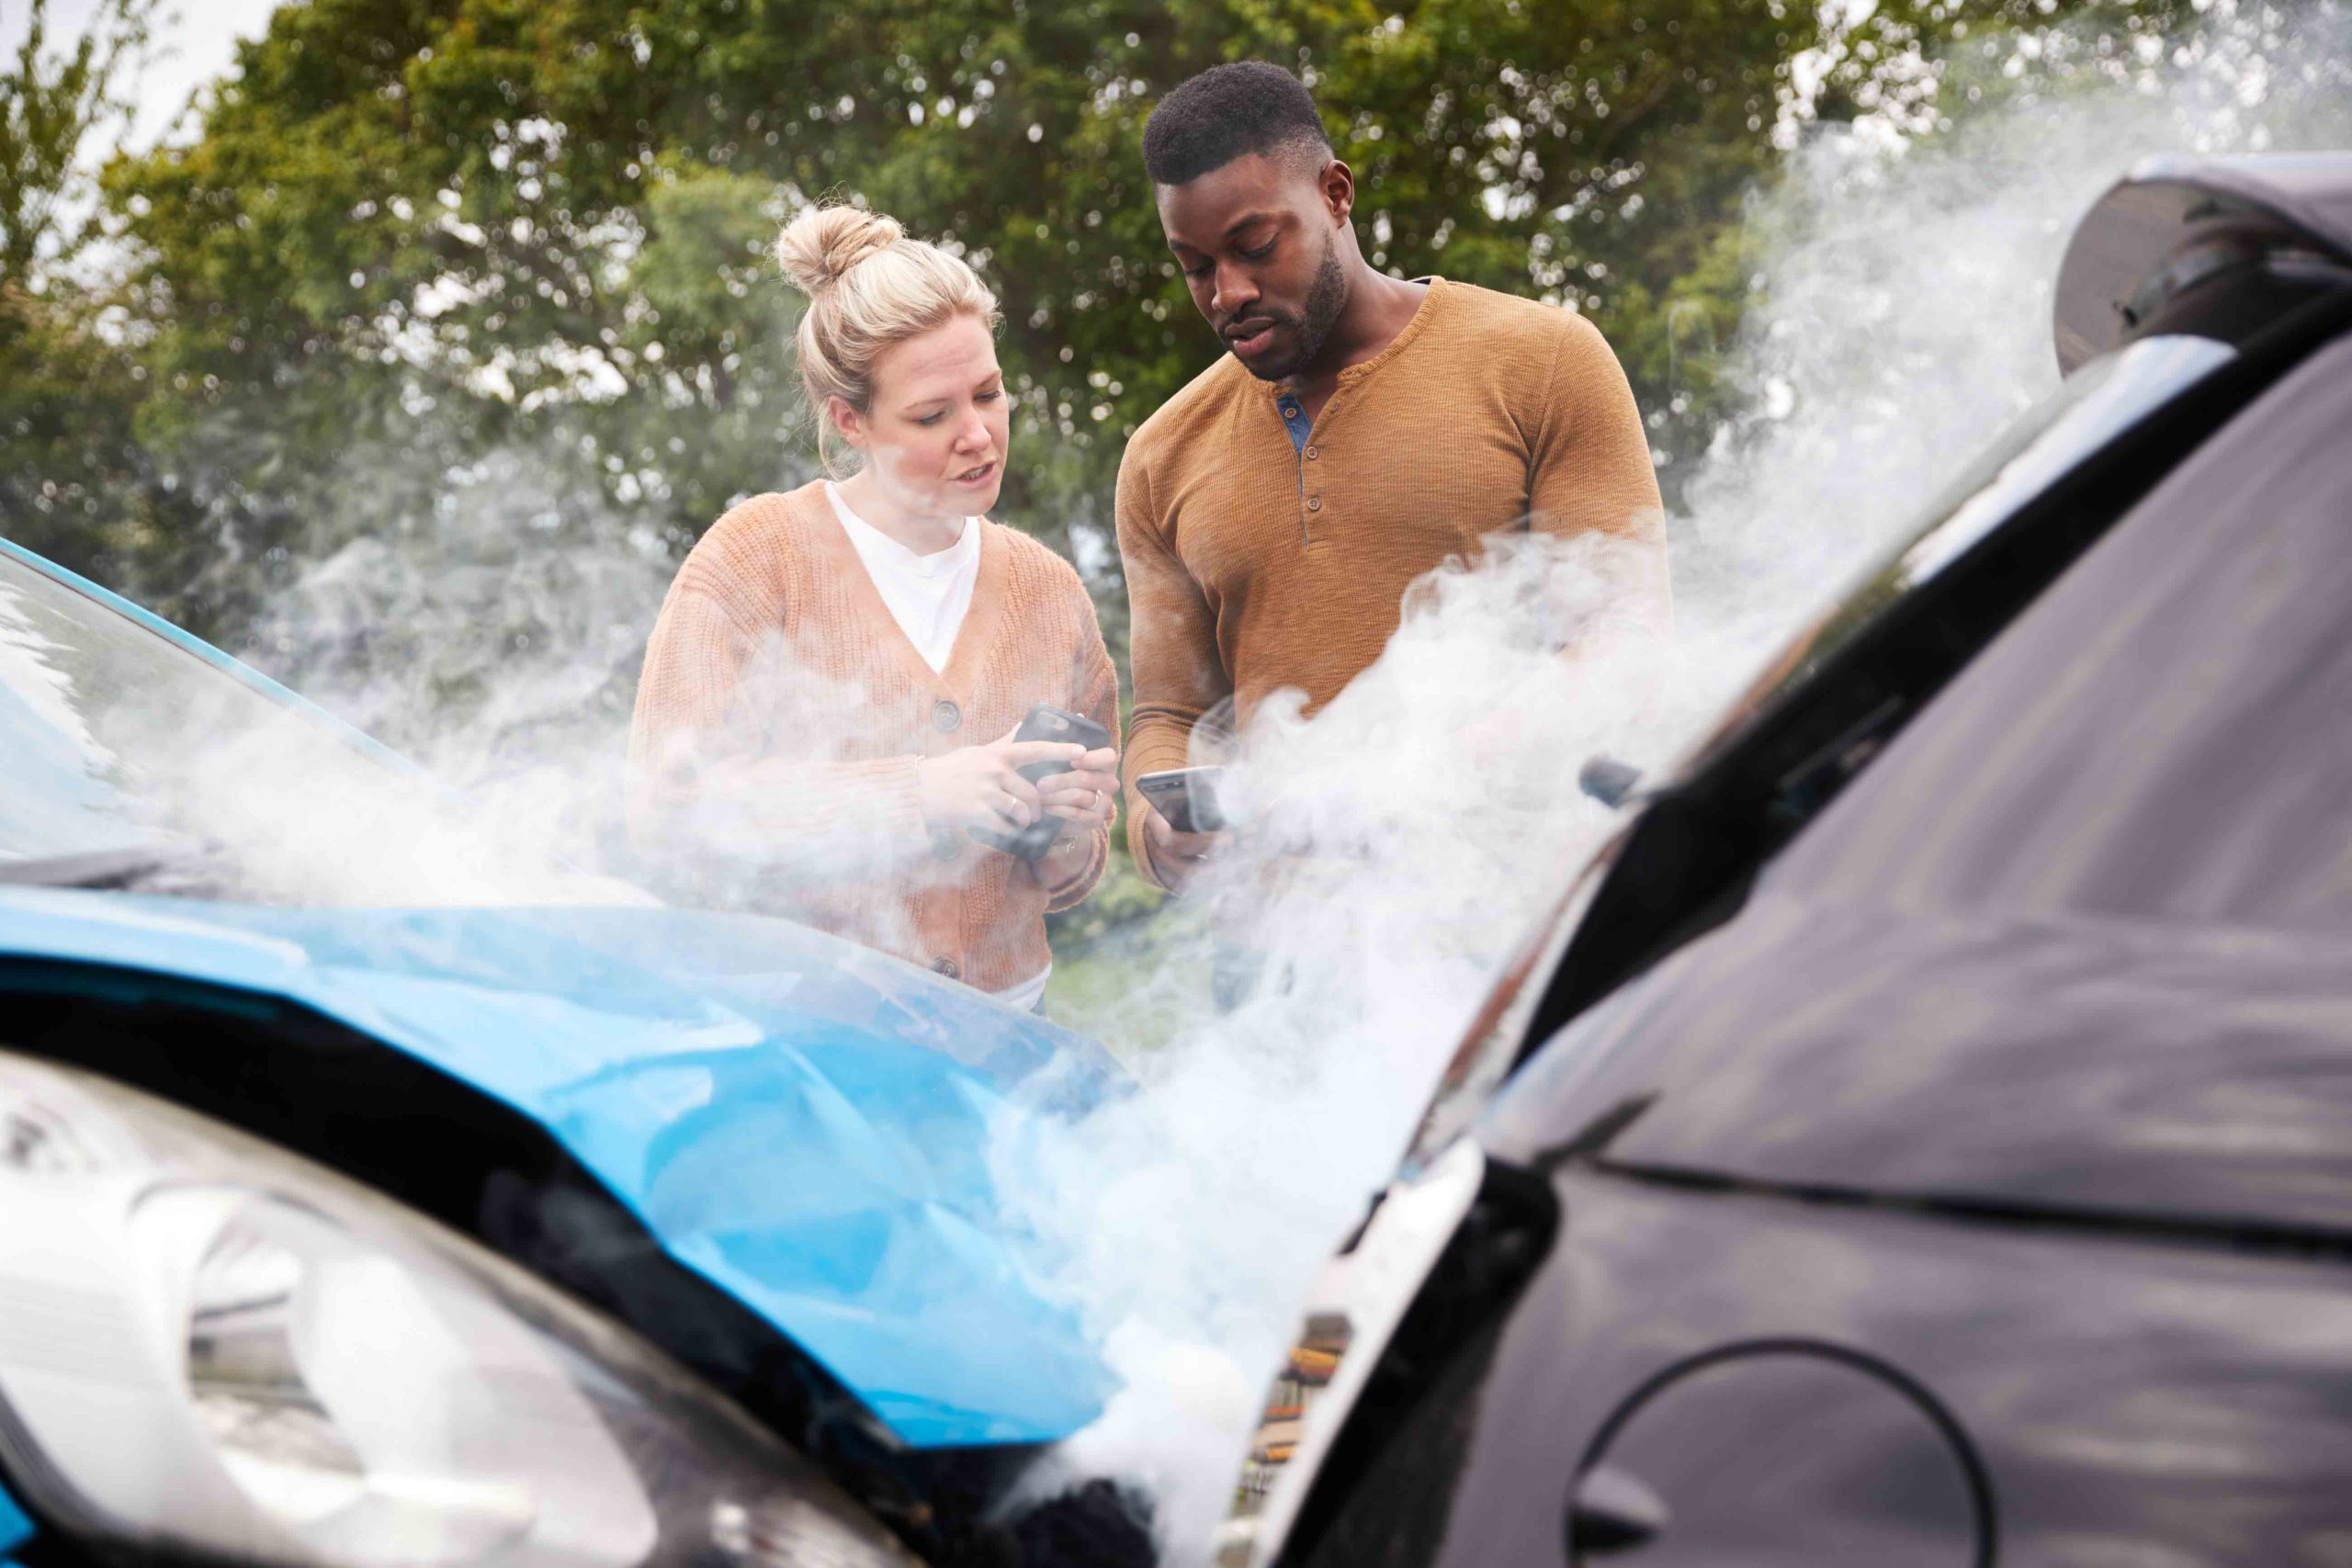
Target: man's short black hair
<point x="1229" y="112"/>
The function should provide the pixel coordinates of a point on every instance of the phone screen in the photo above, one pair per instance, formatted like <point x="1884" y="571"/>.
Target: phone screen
<point x="1186" y="798"/>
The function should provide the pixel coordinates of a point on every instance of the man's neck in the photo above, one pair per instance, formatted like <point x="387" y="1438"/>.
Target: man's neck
<point x="1379" y="308"/>
<point x="923" y="533"/>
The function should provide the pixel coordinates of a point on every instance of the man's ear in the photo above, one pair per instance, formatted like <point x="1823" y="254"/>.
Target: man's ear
<point x="848" y="421"/>
<point x="1338" y="184"/>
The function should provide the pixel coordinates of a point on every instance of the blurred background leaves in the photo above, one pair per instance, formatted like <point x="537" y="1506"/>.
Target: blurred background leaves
<point x="440" y="227"/>
<point x="442" y="328"/>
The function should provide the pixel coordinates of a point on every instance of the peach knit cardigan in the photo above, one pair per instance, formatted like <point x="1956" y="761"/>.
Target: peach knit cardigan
<point x="783" y="714"/>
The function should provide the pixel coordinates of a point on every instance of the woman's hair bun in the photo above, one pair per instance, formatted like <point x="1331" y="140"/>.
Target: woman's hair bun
<point x="904" y="287"/>
<point x="822" y="244"/>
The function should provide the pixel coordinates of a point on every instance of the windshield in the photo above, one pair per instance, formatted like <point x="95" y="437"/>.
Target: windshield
<point x="2056" y="437"/>
<point x="136" y="762"/>
<point x="2135" y="748"/>
<point x="2088" y="409"/>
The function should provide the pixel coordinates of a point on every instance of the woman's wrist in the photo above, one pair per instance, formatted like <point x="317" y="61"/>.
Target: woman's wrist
<point x="1068" y="857"/>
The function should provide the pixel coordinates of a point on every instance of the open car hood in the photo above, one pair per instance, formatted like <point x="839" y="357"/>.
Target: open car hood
<point x="809" y="1125"/>
<point x="2174" y="225"/>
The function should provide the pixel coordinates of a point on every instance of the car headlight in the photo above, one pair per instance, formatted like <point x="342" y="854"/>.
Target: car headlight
<point x="211" y="1345"/>
<point x="1353" y="1310"/>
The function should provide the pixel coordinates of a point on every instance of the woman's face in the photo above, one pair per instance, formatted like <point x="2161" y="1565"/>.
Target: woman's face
<point x="935" y="439"/>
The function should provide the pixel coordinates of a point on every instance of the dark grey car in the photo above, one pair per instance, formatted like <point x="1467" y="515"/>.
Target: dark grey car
<point x="1926" y="1138"/>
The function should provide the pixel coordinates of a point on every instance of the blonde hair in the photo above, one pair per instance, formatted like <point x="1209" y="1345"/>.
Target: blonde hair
<point x="868" y="286"/>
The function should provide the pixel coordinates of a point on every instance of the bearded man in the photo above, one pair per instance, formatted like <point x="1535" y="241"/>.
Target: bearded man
<point x="1358" y="430"/>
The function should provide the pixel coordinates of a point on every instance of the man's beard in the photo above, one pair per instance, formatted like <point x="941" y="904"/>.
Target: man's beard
<point x="1325" y="299"/>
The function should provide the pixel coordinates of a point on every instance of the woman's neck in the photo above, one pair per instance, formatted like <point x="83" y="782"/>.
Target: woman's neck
<point x="924" y="534"/>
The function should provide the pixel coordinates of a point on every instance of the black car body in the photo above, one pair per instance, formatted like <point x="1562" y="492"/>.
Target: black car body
<point x="1926" y="1137"/>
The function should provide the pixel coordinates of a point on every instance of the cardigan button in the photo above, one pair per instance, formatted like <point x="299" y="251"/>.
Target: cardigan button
<point x="1313" y="452"/>
<point x="1313" y="503"/>
<point x="945" y="716"/>
<point x="945" y="966"/>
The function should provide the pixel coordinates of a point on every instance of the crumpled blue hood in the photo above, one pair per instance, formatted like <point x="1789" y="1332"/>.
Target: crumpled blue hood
<point x="804" y="1123"/>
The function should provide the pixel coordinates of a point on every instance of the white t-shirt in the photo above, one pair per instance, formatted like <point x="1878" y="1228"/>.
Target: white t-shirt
<point x="1025" y="996"/>
<point x="928" y="595"/>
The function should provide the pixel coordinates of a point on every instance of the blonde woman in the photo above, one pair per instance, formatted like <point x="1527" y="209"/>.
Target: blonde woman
<point x="827" y="713"/>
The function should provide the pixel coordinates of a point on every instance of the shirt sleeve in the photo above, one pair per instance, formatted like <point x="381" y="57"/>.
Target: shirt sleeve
<point x="1590" y="472"/>
<point x="1179" y="673"/>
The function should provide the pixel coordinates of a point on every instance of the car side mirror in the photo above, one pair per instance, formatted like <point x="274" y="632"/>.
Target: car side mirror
<point x="1608" y="781"/>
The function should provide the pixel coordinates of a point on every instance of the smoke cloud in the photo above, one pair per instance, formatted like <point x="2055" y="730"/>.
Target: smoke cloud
<point x="1398" y="843"/>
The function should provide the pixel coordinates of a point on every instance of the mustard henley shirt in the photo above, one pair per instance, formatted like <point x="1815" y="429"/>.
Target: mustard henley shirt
<point x="1256" y="561"/>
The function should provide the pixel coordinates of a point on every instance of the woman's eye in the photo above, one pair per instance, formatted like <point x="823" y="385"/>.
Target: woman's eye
<point x="990" y="397"/>
<point x="931" y="418"/>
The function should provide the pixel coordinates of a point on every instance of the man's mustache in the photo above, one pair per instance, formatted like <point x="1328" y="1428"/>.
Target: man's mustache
<point x="1255" y="322"/>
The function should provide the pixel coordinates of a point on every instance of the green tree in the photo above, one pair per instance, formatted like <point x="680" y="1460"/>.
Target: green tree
<point x="487" y="204"/>
<point x="482" y="284"/>
<point x="445" y="228"/>
<point x="51" y="106"/>
<point x="73" y="479"/>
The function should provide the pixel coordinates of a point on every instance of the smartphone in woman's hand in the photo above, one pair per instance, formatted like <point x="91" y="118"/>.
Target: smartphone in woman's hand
<point x="1046" y="722"/>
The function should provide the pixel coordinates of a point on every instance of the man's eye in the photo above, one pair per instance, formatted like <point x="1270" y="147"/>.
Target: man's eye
<point x="1201" y="271"/>
<point x="1261" y="253"/>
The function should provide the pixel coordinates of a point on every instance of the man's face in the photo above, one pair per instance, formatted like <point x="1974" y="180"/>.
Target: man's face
<point x="1258" y="241"/>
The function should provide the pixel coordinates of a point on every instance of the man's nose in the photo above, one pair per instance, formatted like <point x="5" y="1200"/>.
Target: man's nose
<point x="1235" y="289"/>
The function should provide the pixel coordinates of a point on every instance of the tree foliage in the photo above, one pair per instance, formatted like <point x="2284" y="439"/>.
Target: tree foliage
<point x="443" y="229"/>
<point x="551" y="214"/>
<point x="73" y="479"/>
<point x="52" y="105"/>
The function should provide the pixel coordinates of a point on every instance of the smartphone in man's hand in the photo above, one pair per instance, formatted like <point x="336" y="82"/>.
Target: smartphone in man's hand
<point x="1186" y="798"/>
<point x="1046" y="722"/>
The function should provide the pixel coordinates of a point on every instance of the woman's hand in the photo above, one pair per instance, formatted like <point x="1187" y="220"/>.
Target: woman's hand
<point x="1086" y="794"/>
<point x="981" y="787"/>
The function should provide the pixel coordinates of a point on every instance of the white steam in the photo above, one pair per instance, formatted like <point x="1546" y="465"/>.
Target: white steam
<point x="1401" y="841"/>
<point x="495" y="638"/>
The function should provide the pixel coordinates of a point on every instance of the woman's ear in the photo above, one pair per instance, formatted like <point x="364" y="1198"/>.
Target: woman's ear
<point x="848" y="421"/>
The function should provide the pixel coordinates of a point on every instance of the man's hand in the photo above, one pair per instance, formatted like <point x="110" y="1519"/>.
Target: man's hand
<point x="1177" y="856"/>
<point x="981" y="786"/>
<point x="1084" y="796"/>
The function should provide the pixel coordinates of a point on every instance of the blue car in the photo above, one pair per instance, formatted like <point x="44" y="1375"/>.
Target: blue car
<point x="342" y="1225"/>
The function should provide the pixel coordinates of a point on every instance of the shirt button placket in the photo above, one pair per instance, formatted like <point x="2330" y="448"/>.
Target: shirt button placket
<point x="1300" y="427"/>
